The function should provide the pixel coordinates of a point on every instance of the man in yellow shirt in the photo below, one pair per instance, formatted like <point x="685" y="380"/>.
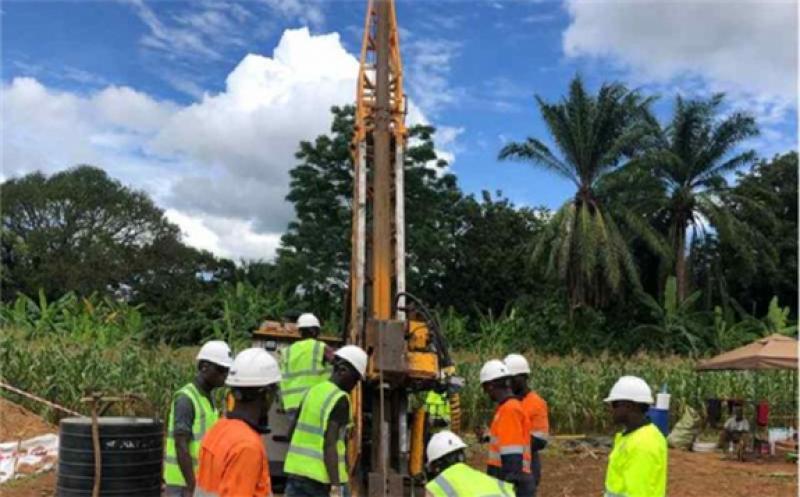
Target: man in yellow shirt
<point x="637" y="465"/>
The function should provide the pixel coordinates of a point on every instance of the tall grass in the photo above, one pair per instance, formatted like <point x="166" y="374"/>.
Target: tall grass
<point x="63" y="369"/>
<point x="574" y="386"/>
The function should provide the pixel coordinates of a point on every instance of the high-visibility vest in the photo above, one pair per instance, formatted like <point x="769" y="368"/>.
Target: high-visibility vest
<point x="306" y="455"/>
<point x="437" y="406"/>
<point x="637" y="466"/>
<point x="509" y="434"/>
<point x="459" y="480"/>
<point x="204" y="418"/>
<point x="302" y="367"/>
<point x="536" y="409"/>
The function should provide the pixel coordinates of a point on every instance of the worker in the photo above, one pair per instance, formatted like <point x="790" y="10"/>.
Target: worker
<point x="191" y="415"/>
<point x="437" y="406"/>
<point x="535" y="408"/>
<point x="735" y="430"/>
<point x="315" y="462"/>
<point x="449" y="476"/>
<point x="304" y="363"/>
<point x="233" y="459"/>
<point x="509" y="433"/>
<point x="637" y="465"/>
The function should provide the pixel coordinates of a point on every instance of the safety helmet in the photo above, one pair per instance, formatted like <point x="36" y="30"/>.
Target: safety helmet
<point x="517" y="364"/>
<point x="631" y="388"/>
<point x="355" y="356"/>
<point x="253" y="367"/>
<point x="443" y="443"/>
<point x="493" y="370"/>
<point x="217" y="352"/>
<point x="307" y="320"/>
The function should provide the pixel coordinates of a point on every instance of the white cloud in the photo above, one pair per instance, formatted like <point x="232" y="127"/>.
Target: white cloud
<point x="429" y="66"/>
<point x="219" y="166"/>
<point x="744" y="46"/>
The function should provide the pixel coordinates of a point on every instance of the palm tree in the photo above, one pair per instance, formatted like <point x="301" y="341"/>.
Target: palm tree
<point x="594" y="134"/>
<point x="692" y="156"/>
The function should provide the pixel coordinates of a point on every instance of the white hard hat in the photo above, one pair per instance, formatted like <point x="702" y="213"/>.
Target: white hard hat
<point x="517" y="364"/>
<point x="443" y="443"/>
<point x="354" y="355"/>
<point x="307" y="320"/>
<point x="253" y="367"/>
<point x="631" y="388"/>
<point x="493" y="370"/>
<point x="216" y="351"/>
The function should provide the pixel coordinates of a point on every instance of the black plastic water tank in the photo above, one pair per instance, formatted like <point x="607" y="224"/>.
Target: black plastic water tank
<point x="131" y="454"/>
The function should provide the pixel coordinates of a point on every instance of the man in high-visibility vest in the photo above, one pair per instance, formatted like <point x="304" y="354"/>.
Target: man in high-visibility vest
<point x="637" y="465"/>
<point x="535" y="408"/>
<point x="192" y="414"/>
<point x="233" y="459"/>
<point x="509" y="433"/>
<point x="316" y="464"/>
<point x="304" y="364"/>
<point x="449" y="476"/>
<point x="437" y="406"/>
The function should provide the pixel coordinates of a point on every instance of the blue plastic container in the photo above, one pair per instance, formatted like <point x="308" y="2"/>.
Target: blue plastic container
<point x="660" y="418"/>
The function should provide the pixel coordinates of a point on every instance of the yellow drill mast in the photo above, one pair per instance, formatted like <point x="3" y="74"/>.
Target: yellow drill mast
<point x="406" y="355"/>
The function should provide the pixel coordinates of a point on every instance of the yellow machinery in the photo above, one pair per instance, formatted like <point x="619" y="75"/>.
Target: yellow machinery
<point x="407" y="351"/>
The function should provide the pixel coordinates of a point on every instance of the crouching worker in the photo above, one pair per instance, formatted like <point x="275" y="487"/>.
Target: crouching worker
<point x="233" y="461"/>
<point x="449" y="476"/>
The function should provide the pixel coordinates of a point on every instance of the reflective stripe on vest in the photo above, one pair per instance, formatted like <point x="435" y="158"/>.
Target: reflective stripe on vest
<point x="459" y="480"/>
<point x="306" y="455"/>
<point x="204" y="418"/>
<point x="199" y="492"/>
<point x="301" y="368"/>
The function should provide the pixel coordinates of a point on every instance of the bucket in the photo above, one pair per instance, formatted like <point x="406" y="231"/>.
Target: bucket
<point x="660" y="418"/>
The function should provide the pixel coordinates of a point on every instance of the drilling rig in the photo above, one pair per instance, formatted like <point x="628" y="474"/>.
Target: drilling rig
<point x="407" y="350"/>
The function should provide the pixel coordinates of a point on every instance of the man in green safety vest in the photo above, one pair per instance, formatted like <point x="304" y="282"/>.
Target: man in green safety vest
<point x="438" y="408"/>
<point x="304" y="363"/>
<point x="315" y="464"/>
<point x="192" y="414"/>
<point x="449" y="476"/>
<point x="637" y="465"/>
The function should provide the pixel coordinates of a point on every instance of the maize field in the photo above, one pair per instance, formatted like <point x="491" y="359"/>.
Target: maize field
<point x="63" y="369"/>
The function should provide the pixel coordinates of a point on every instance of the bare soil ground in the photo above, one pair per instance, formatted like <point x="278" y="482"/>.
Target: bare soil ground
<point x="17" y="423"/>
<point x="573" y="475"/>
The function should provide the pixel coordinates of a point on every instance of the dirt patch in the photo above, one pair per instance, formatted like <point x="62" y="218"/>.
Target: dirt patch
<point x="690" y="474"/>
<point x="18" y="423"/>
<point x="42" y="485"/>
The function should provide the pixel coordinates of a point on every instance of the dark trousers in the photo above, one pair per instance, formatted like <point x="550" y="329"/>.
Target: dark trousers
<point x="536" y="467"/>
<point x="303" y="487"/>
<point x="297" y="486"/>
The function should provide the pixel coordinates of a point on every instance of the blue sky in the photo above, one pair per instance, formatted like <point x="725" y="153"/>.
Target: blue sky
<point x="202" y="103"/>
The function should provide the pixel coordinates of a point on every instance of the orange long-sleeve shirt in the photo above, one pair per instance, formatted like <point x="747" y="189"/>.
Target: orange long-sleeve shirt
<point x="535" y="408"/>
<point x="233" y="462"/>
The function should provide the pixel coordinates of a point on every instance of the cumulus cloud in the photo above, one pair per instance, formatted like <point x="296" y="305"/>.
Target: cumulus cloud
<point x="744" y="46"/>
<point x="218" y="166"/>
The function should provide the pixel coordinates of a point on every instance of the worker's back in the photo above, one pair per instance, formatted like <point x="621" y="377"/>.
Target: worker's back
<point x="460" y="480"/>
<point x="637" y="465"/>
<point x="233" y="462"/>
<point x="302" y="367"/>
<point x="535" y="408"/>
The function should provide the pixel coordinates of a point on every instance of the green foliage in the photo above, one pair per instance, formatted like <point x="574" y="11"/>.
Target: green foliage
<point x="94" y="319"/>
<point x="574" y="386"/>
<point x="583" y="246"/>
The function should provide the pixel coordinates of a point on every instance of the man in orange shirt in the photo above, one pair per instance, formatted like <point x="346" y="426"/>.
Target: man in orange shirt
<point x="535" y="408"/>
<point x="509" y="457"/>
<point x="233" y="461"/>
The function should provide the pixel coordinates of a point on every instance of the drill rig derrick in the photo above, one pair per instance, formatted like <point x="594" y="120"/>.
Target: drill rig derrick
<point x="407" y="352"/>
